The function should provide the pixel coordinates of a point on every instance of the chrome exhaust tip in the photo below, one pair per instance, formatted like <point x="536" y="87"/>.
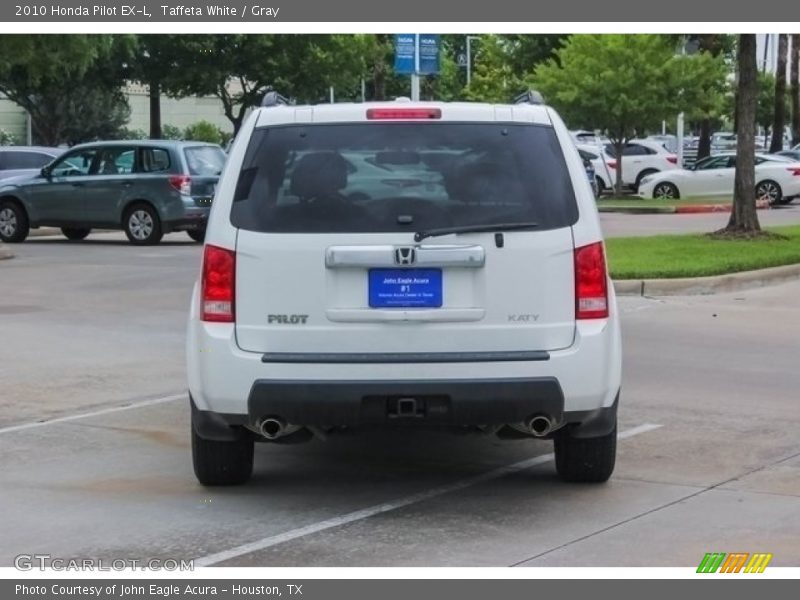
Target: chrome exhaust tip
<point x="540" y="426"/>
<point x="271" y="428"/>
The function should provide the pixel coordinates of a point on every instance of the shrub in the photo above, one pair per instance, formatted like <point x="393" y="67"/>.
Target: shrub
<point x="170" y="132"/>
<point x="203" y="131"/>
<point x="7" y="139"/>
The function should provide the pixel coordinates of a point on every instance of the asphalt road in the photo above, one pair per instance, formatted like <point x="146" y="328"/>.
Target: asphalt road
<point x="92" y="334"/>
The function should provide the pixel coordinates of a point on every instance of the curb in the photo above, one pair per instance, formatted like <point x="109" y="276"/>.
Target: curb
<point x="44" y="231"/>
<point x="696" y="286"/>
<point x="688" y="209"/>
<point x="638" y="210"/>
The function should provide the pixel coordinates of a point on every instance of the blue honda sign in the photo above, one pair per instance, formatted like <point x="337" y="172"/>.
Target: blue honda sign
<point x="404" y="53"/>
<point x="428" y="54"/>
<point x="406" y="60"/>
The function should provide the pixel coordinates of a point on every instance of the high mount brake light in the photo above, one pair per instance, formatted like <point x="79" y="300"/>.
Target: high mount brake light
<point x="388" y="114"/>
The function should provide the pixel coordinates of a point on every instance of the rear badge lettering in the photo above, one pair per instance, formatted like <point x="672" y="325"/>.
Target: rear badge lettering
<point x="523" y="318"/>
<point x="287" y="319"/>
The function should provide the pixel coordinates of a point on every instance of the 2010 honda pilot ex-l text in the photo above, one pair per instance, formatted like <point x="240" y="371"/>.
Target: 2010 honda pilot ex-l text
<point x="403" y="263"/>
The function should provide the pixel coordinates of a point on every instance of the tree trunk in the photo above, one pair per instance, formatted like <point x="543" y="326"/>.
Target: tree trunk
<point x="795" y="88"/>
<point x="779" y="119"/>
<point x="619" y="147"/>
<point x="379" y="68"/>
<point x="743" y="214"/>
<point x="155" y="110"/>
<point x="709" y="42"/>
<point x="704" y="143"/>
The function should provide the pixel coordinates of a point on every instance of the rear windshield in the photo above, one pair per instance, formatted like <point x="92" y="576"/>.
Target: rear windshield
<point x="387" y="177"/>
<point x="205" y="161"/>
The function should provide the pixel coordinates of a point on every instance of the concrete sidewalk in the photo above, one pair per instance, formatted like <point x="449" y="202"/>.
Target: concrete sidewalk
<point x="694" y="286"/>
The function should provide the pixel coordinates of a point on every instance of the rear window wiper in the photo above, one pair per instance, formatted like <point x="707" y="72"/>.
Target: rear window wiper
<point x="421" y="235"/>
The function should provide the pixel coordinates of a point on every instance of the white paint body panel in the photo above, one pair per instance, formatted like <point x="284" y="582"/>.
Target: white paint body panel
<point x="287" y="274"/>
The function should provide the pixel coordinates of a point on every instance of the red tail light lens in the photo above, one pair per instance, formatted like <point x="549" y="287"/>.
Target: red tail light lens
<point x="181" y="183"/>
<point x="403" y="113"/>
<point x="672" y="159"/>
<point x="218" y="284"/>
<point x="795" y="171"/>
<point x="591" y="282"/>
<point x="612" y="164"/>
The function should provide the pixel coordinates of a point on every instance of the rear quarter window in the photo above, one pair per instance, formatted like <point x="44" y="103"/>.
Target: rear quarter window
<point x="204" y="161"/>
<point x="154" y="160"/>
<point x="392" y="177"/>
<point x="24" y="160"/>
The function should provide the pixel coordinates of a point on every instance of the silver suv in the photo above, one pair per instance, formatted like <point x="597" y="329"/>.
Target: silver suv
<point x="371" y="265"/>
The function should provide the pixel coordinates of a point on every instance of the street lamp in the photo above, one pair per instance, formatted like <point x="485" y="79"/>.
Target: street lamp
<point x="469" y="56"/>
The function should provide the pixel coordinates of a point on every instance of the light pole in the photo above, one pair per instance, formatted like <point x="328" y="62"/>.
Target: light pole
<point x="415" y="75"/>
<point x="469" y="56"/>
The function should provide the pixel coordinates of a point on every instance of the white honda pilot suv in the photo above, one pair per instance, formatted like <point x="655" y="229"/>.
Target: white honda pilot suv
<point x="403" y="264"/>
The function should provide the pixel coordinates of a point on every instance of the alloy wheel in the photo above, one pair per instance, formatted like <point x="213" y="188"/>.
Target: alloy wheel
<point x="8" y="222"/>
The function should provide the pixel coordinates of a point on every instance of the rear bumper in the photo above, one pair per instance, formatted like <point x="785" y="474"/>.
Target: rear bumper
<point x="460" y="402"/>
<point x="579" y="383"/>
<point x="482" y="402"/>
<point x="192" y="218"/>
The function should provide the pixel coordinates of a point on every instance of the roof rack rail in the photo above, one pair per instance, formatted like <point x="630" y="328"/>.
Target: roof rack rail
<point x="273" y="98"/>
<point x="529" y="97"/>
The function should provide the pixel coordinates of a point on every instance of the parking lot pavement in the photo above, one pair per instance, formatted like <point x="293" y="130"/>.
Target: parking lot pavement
<point x="90" y="327"/>
<point x="619" y="224"/>
<point x="92" y="323"/>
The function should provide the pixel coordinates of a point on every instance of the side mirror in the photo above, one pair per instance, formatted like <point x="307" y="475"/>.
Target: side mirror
<point x="45" y="172"/>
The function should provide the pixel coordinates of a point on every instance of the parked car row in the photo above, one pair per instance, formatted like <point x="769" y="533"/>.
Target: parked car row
<point x="16" y="161"/>
<point x="639" y="159"/>
<point x="777" y="179"/>
<point x="146" y="188"/>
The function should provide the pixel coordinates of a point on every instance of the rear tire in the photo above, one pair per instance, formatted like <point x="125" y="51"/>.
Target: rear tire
<point x="770" y="191"/>
<point x="75" y="233"/>
<point x="222" y="463"/>
<point x="665" y="191"/>
<point x="641" y="176"/>
<point x="142" y="225"/>
<point x="585" y="460"/>
<point x="198" y="235"/>
<point x="600" y="186"/>
<point x="14" y="224"/>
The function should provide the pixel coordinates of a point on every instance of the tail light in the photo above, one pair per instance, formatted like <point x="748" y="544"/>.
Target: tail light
<point x="672" y="159"/>
<point x="795" y="171"/>
<point x="591" y="282"/>
<point x="403" y="113"/>
<point x="218" y="284"/>
<point x="181" y="183"/>
<point x="612" y="164"/>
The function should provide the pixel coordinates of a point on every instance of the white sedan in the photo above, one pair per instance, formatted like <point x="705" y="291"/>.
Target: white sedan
<point x="777" y="179"/>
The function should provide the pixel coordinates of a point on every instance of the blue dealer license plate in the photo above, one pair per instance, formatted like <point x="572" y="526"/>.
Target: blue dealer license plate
<point x="405" y="288"/>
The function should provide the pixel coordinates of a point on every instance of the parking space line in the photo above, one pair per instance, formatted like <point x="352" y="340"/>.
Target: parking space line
<point x="103" y="411"/>
<point x="293" y="534"/>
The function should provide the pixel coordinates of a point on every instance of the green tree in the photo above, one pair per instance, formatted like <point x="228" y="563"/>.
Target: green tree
<point x="622" y="84"/>
<point x="70" y="84"/>
<point x="723" y="47"/>
<point x="766" y="104"/>
<point x="702" y="86"/>
<point x="744" y="219"/>
<point x="794" y="89"/>
<point x="780" y="98"/>
<point x="203" y="131"/>
<point x="157" y="64"/>
<point x="494" y="78"/>
<point x="239" y="69"/>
